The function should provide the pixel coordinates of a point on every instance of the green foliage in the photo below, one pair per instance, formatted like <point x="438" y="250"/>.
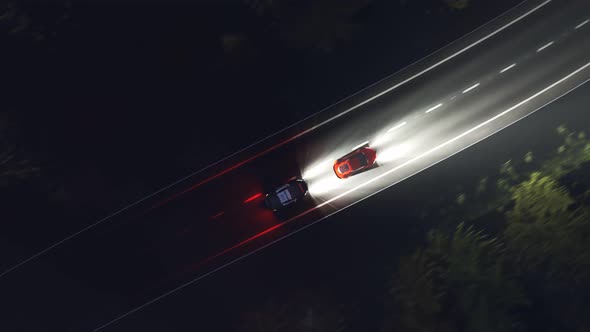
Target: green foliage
<point x="13" y="19"/>
<point x="262" y="7"/>
<point x="461" y="280"/>
<point x="36" y="23"/>
<point x="416" y="294"/>
<point x="545" y="235"/>
<point x="529" y="157"/>
<point x="316" y="25"/>
<point x="569" y="156"/>
<point x="14" y="165"/>
<point x="508" y="171"/>
<point x="457" y="4"/>
<point x="298" y="312"/>
<point x="538" y="198"/>
<point x="547" y="238"/>
<point x="482" y="185"/>
<point x="484" y="293"/>
<point x="13" y="168"/>
<point x="461" y="199"/>
<point x="272" y="317"/>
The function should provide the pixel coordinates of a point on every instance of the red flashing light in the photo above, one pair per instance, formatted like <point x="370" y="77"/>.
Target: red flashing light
<point x="217" y="215"/>
<point x="253" y="198"/>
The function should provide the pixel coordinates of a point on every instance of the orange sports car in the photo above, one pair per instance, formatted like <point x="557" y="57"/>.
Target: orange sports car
<point x="357" y="161"/>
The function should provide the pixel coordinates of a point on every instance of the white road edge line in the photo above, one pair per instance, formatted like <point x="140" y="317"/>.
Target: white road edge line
<point x="427" y="69"/>
<point x="433" y="108"/>
<point x="582" y="24"/>
<point x="349" y="205"/>
<point x="471" y="88"/>
<point x="360" y="145"/>
<point x="296" y="136"/>
<point x="397" y="126"/>
<point x="440" y="146"/>
<point x="507" y="68"/>
<point x="545" y="46"/>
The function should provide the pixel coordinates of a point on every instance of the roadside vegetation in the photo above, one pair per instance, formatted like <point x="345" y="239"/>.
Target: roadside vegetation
<point x="510" y="254"/>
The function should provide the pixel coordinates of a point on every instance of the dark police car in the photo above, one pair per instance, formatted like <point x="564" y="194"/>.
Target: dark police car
<point x="289" y="193"/>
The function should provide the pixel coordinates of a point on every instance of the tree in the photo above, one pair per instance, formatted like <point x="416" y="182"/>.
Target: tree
<point x="456" y="283"/>
<point x="544" y="233"/>
<point x="273" y="316"/>
<point x="13" y="19"/>
<point x="547" y="237"/>
<point x="312" y="25"/>
<point x="301" y="311"/>
<point x="416" y="294"/>
<point x="14" y="164"/>
<point x="457" y="4"/>
<point x="537" y="199"/>
<point x="570" y="155"/>
<point x="544" y="225"/>
<point x="31" y="21"/>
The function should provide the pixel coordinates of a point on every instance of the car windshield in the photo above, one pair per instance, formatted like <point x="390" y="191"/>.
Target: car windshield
<point x="294" y="190"/>
<point x="362" y="159"/>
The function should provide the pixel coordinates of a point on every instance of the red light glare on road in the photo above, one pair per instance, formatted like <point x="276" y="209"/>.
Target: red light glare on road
<point x="217" y="215"/>
<point x="253" y="198"/>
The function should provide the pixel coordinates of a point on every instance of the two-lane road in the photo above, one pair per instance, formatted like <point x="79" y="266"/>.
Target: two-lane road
<point x="533" y="56"/>
<point x="432" y="110"/>
<point x="426" y="113"/>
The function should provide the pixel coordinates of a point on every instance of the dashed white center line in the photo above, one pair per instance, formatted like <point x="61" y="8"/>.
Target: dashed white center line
<point x="545" y="46"/>
<point x="471" y="88"/>
<point x="507" y="68"/>
<point x="433" y="108"/>
<point x="360" y="145"/>
<point x="450" y="141"/>
<point x="453" y="97"/>
<point x="397" y="126"/>
<point x="581" y="24"/>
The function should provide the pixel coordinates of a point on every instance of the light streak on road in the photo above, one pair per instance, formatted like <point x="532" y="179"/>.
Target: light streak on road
<point x="383" y="138"/>
<point x="253" y="197"/>
<point x="433" y="108"/>
<point x="507" y="68"/>
<point x="360" y="145"/>
<point x="545" y="46"/>
<point x="581" y="24"/>
<point x="471" y="88"/>
<point x="438" y="147"/>
<point x="392" y="153"/>
<point x="325" y="185"/>
<point x="396" y="127"/>
<point x="454" y="139"/>
<point x="408" y="162"/>
<point x="286" y="141"/>
<point x="217" y="215"/>
<point x="317" y="169"/>
<point x="366" y="101"/>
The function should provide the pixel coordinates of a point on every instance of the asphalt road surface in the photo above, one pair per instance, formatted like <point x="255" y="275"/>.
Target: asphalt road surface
<point x="431" y="110"/>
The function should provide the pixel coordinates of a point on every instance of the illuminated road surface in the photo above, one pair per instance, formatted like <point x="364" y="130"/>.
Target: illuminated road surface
<point x="429" y="112"/>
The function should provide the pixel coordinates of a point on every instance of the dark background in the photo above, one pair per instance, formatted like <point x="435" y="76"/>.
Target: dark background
<point x="109" y="102"/>
<point x="114" y="101"/>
